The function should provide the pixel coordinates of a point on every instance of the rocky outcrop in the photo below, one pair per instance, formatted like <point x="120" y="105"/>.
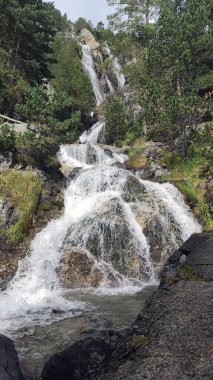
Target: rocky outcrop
<point x="6" y="160"/>
<point x="148" y="160"/>
<point x="87" y="37"/>
<point x="171" y="338"/>
<point x="9" y="363"/>
<point x="107" y="236"/>
<point x="9" y="215"/>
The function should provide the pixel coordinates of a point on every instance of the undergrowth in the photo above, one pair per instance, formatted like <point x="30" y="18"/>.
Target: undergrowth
<point x="23" y="190"/>
<point x="187" y="177"/>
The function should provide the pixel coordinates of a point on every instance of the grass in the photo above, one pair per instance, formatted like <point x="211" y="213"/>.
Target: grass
<point x="139" y="341"/>
<point x="185" y="271"/>
<point x="23" y="190"/>
<point x="187" y="177"/>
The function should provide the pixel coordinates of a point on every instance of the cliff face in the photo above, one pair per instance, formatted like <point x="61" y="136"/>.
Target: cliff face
<point x="171" y="338"/>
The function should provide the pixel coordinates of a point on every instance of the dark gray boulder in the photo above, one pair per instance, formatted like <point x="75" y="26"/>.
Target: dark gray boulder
<point x="9" y="363"/>
<point x="87" y="359"/>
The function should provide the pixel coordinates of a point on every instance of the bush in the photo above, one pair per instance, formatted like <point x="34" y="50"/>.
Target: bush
<point x="121" y="127"/>
<point x="7" y="138"/>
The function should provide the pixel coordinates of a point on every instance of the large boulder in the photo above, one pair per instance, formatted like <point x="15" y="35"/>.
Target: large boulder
<point x="80" y="269"/>
<point x="9" y="363"/>
<point x="108" y="235"/>
<point x="79" y="362"/>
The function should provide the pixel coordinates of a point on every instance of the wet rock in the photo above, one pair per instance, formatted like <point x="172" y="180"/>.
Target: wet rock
<point x="80" y="361"/>
<point x="107" y="235"/>
<point x="134" y="190"/>
<point x="80" y="269"/>
<point x="69" y="172"/>
<point x="9" y="363"/>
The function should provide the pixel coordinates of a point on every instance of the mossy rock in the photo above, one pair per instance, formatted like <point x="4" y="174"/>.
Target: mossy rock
<point x="136" y="163"/>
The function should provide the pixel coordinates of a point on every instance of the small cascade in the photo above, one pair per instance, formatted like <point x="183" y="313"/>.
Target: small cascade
<point x="92" y="135"/>
<point x="89" y="69"/>
<point x="111" y="88"/>
<point x="116" y="67"/>
<point x="117" y="71"/>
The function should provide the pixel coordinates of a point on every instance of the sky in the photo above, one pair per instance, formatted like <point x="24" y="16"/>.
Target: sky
<point x="94" y="10"/>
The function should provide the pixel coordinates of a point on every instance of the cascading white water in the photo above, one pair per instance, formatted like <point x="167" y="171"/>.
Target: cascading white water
<point x="93" y="201"/>
<point x="111" y="88"/>
<point x="91" y="136"/>
<point x="117" y="71"/>
<point x="89" y="69"/>
<point x="35" y="292"/>
<point x="116" y="67"/>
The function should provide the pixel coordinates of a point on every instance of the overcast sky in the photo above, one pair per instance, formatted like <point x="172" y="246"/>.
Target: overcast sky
<point x="94" y="10"/>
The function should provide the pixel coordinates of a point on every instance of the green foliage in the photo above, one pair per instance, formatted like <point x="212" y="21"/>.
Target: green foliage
<point x="188" y="177"/>
<point x="52" y="121"/>
<point x="121" y="127"/>
<point x="129" y="14"/>
<point x="81" y="23"/>
<point x="23" y="190"/>
<point x="7" y="138"/>
<point x="27" y="29"/>
<point x="190" y="193"/>
<point x="103" y="35"/>
<point x="69" y="78"/>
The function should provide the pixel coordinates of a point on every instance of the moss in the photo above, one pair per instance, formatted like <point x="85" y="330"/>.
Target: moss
<point x="170" y="280"/>
<point x="23" y="190"/>
<point x="185" y="271"/>
<point x="45" y="206"/>
<point x="139" y="341"/>
<point x="136" y="162"/>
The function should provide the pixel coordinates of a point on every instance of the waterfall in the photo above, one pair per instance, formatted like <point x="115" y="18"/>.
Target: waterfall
<point x="111" y="88"/>
<point x="92" y="135"/>
<point x="116" y="67"/>
<point x="89" y="69"/>
<point x="117" y="71"/>
<point x="111" y="214"/>
<point x="102" y="205"/>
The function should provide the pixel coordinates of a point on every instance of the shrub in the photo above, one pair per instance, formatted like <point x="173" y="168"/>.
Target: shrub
<point x="7" y="138"/>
